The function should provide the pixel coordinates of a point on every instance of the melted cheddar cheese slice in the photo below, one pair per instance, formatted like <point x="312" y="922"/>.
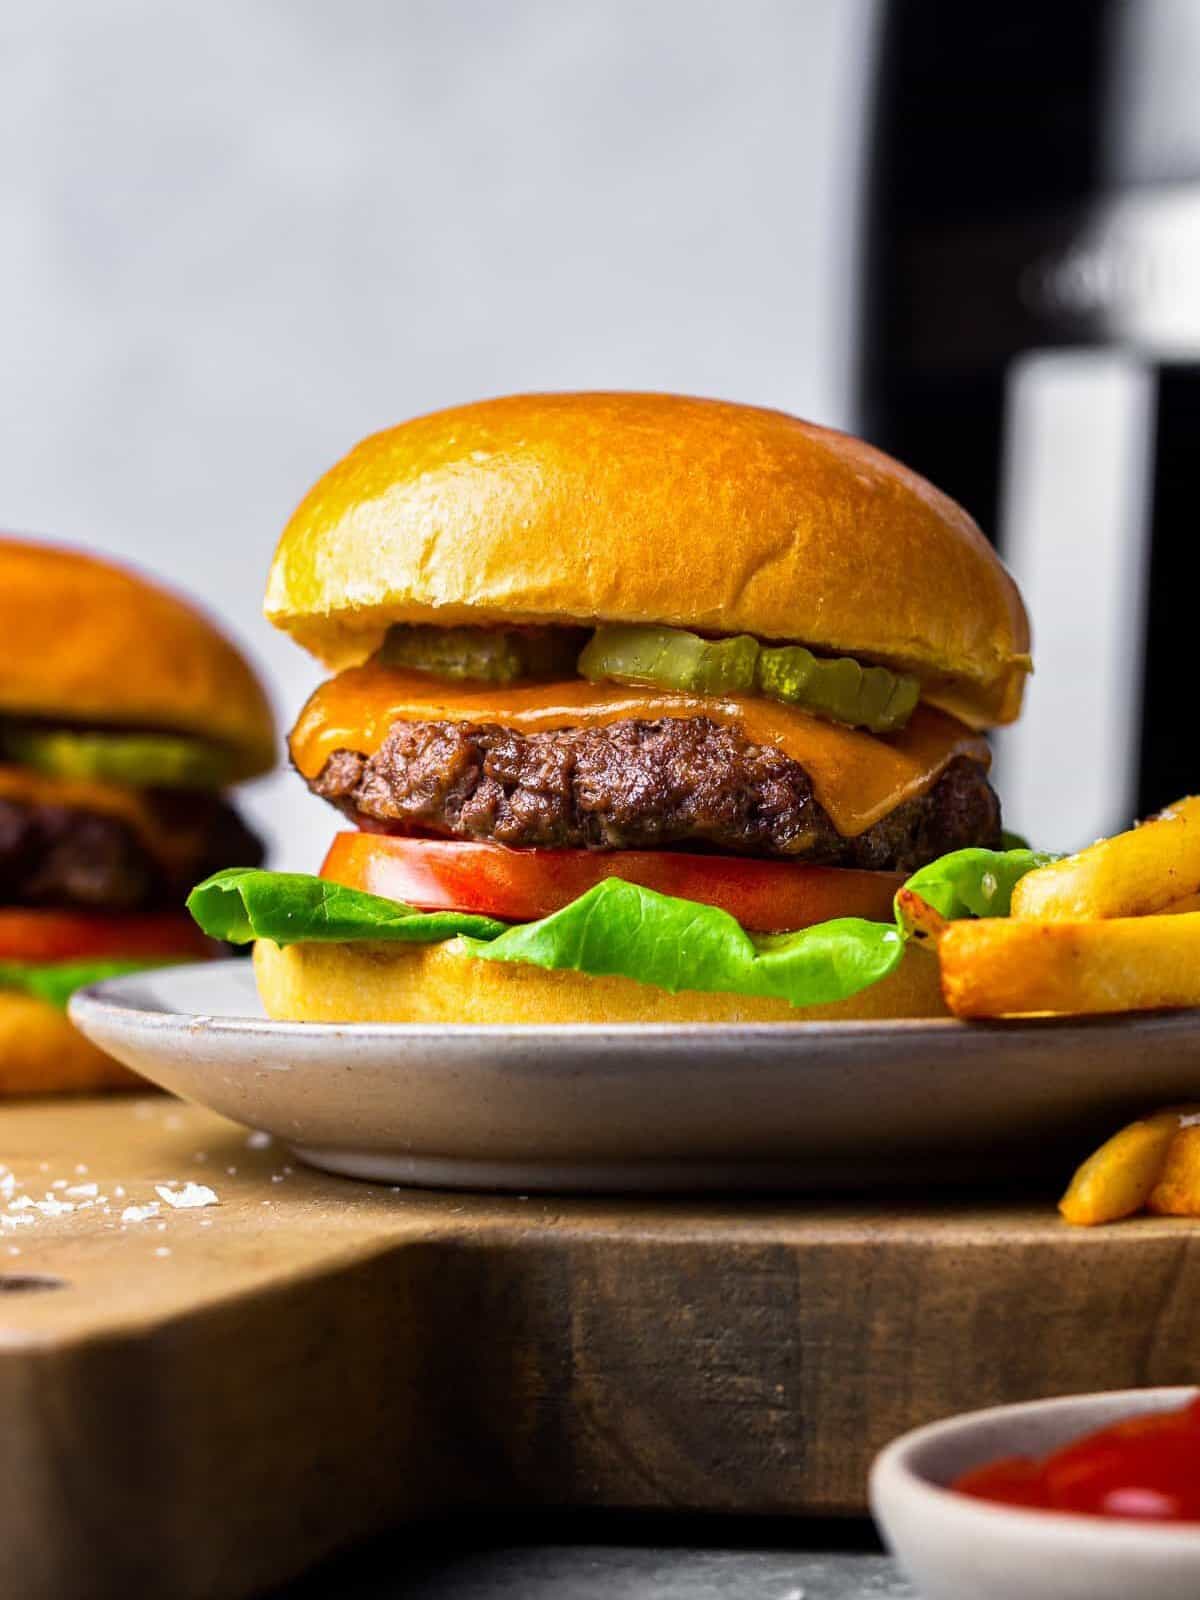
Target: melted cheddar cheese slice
<point x="27" y="787"/>
<point x="174" y="843"/>
<point x="857" y="777"/>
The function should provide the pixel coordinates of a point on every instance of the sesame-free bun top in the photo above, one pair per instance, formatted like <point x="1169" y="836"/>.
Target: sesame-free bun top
<point x="85" y="641"/>
<point x="648" y="508"/>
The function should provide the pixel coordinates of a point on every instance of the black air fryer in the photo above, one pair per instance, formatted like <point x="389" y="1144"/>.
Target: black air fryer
<point x="1031" y="342"/>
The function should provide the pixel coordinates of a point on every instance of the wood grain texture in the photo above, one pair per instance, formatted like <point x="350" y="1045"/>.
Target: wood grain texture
<point x="317" y="1359"/>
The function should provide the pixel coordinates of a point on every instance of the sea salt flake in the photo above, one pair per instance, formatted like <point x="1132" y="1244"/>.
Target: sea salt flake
<point x="59" y="1183"/>
<point x="119" y="1190"/>
<point x="140" y="1213"/>
<point x="22" y="1203"/>
<point x="191" y="1196"/>
<point x="81" y="1169"/>
<point x="258" y="1140"/>
<point x="16" y="1222"/>
<point x="7" y="1183"/>
<point x="162" y="1250"/>
<point x="50" y="1207"/>
<point x="84" y="1191"/>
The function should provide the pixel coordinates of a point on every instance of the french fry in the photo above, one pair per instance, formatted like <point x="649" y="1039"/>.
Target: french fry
<point x="1133" y="874"/>
<point x="920" y="920"/>
<point x="1177" y="1192"/>
<point x="1120" y="1177"/>
<point x="1189" y="902"/>
<point x="998" y="967"/>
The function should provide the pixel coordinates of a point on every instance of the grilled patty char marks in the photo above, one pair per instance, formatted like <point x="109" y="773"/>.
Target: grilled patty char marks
<point x="61" y="856"/>
<point x="636" y="784"/>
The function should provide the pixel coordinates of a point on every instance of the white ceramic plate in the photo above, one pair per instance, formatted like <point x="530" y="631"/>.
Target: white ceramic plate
<point x="957" y="1548"/>
<point x="653" y="1107"/>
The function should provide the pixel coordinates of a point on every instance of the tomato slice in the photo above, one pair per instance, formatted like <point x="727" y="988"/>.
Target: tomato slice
<point x="522" y="885"/>
<point x="44" y="935"/>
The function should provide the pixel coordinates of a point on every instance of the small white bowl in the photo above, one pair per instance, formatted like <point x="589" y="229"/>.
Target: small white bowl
<point x="955" y="1547"/>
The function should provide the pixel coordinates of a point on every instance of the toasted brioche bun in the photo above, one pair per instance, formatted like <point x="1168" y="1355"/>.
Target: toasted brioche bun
<point x="87" y="641"/>
<point x="578" y="508"/>
<point x="441" y="983"/>
<point x="41" y="1053"/>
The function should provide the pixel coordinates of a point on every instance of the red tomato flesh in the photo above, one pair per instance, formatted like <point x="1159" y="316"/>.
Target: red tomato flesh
<point x="1146" y="1468"/>
<point x="37" y="935"/>
<point x="523" y="885"/>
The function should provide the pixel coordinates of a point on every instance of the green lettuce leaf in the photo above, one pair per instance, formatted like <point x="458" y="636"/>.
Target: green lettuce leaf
<point x="620" y="929"/>
<point x="245" y="903"/>
<point x="975" y="883"/>
<point x="56" y="981"/>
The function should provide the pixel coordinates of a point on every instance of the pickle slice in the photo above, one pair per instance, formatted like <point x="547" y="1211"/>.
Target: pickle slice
<point x="491" y="655"/>
<point x="840" y="689"/>
<point x="670" y="658"/>
<point x="140" y="760"/>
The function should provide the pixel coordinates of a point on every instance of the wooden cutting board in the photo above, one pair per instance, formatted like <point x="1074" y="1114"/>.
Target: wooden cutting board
<point x="207" y="1401"/>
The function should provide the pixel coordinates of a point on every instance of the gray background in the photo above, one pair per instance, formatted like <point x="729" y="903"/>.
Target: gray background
<point x="237" y="236"/>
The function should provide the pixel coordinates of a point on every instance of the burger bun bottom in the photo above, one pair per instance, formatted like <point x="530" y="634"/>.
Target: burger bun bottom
<point x="441" y="983"/>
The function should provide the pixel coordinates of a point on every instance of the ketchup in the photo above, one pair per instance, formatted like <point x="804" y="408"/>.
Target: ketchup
<point x="1146" y="1468"/>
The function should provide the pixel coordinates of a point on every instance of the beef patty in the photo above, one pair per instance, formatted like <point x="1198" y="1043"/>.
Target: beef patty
<point x="59" y="856"/>
<point x="633" y="784"/>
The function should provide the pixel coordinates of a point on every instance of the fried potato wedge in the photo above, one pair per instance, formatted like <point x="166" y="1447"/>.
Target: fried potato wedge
<point x="920" y="920"/>
<point x="1124" y="1172"/>
<point x="999" y="967"/>
<point x="1133" y="874"/>
<point x="1177" y="1192"/>
<point x="1189" y="902"/>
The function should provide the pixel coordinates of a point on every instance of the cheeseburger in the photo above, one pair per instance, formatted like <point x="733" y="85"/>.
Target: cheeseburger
<point x="123" y="716"/>
<point x="643" y="708"/>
